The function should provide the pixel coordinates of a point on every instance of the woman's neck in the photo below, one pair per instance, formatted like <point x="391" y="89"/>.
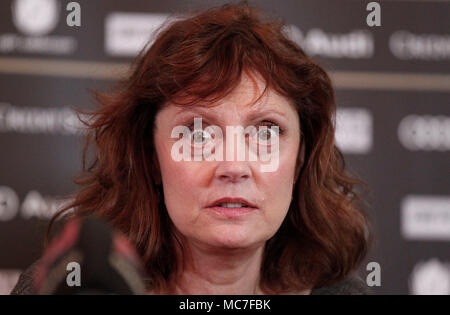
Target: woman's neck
<point x="221" y="271"/>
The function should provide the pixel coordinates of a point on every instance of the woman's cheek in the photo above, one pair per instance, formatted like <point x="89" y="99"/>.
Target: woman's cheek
<point x="279" y="184"/>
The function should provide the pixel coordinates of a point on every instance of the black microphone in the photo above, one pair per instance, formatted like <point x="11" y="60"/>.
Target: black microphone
<point x="89" y="257"/>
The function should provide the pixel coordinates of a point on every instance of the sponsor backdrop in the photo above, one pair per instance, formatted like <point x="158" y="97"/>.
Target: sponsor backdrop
<point x="393" y="122"/>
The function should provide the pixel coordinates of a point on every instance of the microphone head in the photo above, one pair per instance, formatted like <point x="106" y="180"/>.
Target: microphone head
<point x="89" y="257"/>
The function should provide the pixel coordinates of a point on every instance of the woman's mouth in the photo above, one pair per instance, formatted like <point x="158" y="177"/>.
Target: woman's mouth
<point x="227" y="209"/>
<point x="232" y="205"/>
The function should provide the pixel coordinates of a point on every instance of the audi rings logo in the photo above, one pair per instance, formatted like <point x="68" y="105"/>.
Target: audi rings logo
<point x="35" y="17"/>
<point x="425" y="133"/>
<point x="355" y="44"/>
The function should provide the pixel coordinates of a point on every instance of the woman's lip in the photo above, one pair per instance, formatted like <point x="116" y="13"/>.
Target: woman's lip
<point x="232" y="212"/>
<point x="232" y="200"/>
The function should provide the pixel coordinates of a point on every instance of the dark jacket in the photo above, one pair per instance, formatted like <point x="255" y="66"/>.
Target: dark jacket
<point x="352" y="285"/>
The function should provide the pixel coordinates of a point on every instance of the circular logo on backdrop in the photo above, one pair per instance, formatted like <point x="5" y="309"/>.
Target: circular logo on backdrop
<point x="9" y="203"/>
<point x="35" y="17"/>
<point x="430" y="278"/>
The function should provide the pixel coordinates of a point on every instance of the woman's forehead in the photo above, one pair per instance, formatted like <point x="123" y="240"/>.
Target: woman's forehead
<point x="269" y="106"/>
<point x="247" y="97"/>
<point x="248" y="91"/>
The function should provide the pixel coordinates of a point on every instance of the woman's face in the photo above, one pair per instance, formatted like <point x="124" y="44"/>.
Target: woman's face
<point x="191" y="188"/>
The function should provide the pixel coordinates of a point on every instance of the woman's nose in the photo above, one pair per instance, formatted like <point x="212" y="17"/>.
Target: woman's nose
<point x="233" y="171"/>
<point x="234" y="166"/>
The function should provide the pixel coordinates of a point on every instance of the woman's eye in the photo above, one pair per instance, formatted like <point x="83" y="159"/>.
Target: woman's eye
<point x="200" y="137"/>
<point x="267" y="133"/>
<point x="264" y="134"/>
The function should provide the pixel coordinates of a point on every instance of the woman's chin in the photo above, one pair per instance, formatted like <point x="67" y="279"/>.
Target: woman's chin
<point x="231" y="243"/>
<point x="232" y="239"/>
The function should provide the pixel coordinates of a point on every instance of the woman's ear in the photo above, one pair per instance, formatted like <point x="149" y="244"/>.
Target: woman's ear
<point x="300" y="160"/>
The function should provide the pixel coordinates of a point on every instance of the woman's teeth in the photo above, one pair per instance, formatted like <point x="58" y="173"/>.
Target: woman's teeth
<point x="233" y="205"/>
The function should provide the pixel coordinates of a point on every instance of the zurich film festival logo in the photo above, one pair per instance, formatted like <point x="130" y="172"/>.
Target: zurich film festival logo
<point x="34" y="205"/>
<point x="36" y="17"/>
<point x="208" y="144"/>
<point x="36" y="20"/>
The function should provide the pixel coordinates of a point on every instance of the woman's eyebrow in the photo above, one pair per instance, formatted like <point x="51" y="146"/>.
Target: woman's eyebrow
<point x="251" y="115"/>
<point x="203" y="112"/>
<point x="270" y="111"/>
